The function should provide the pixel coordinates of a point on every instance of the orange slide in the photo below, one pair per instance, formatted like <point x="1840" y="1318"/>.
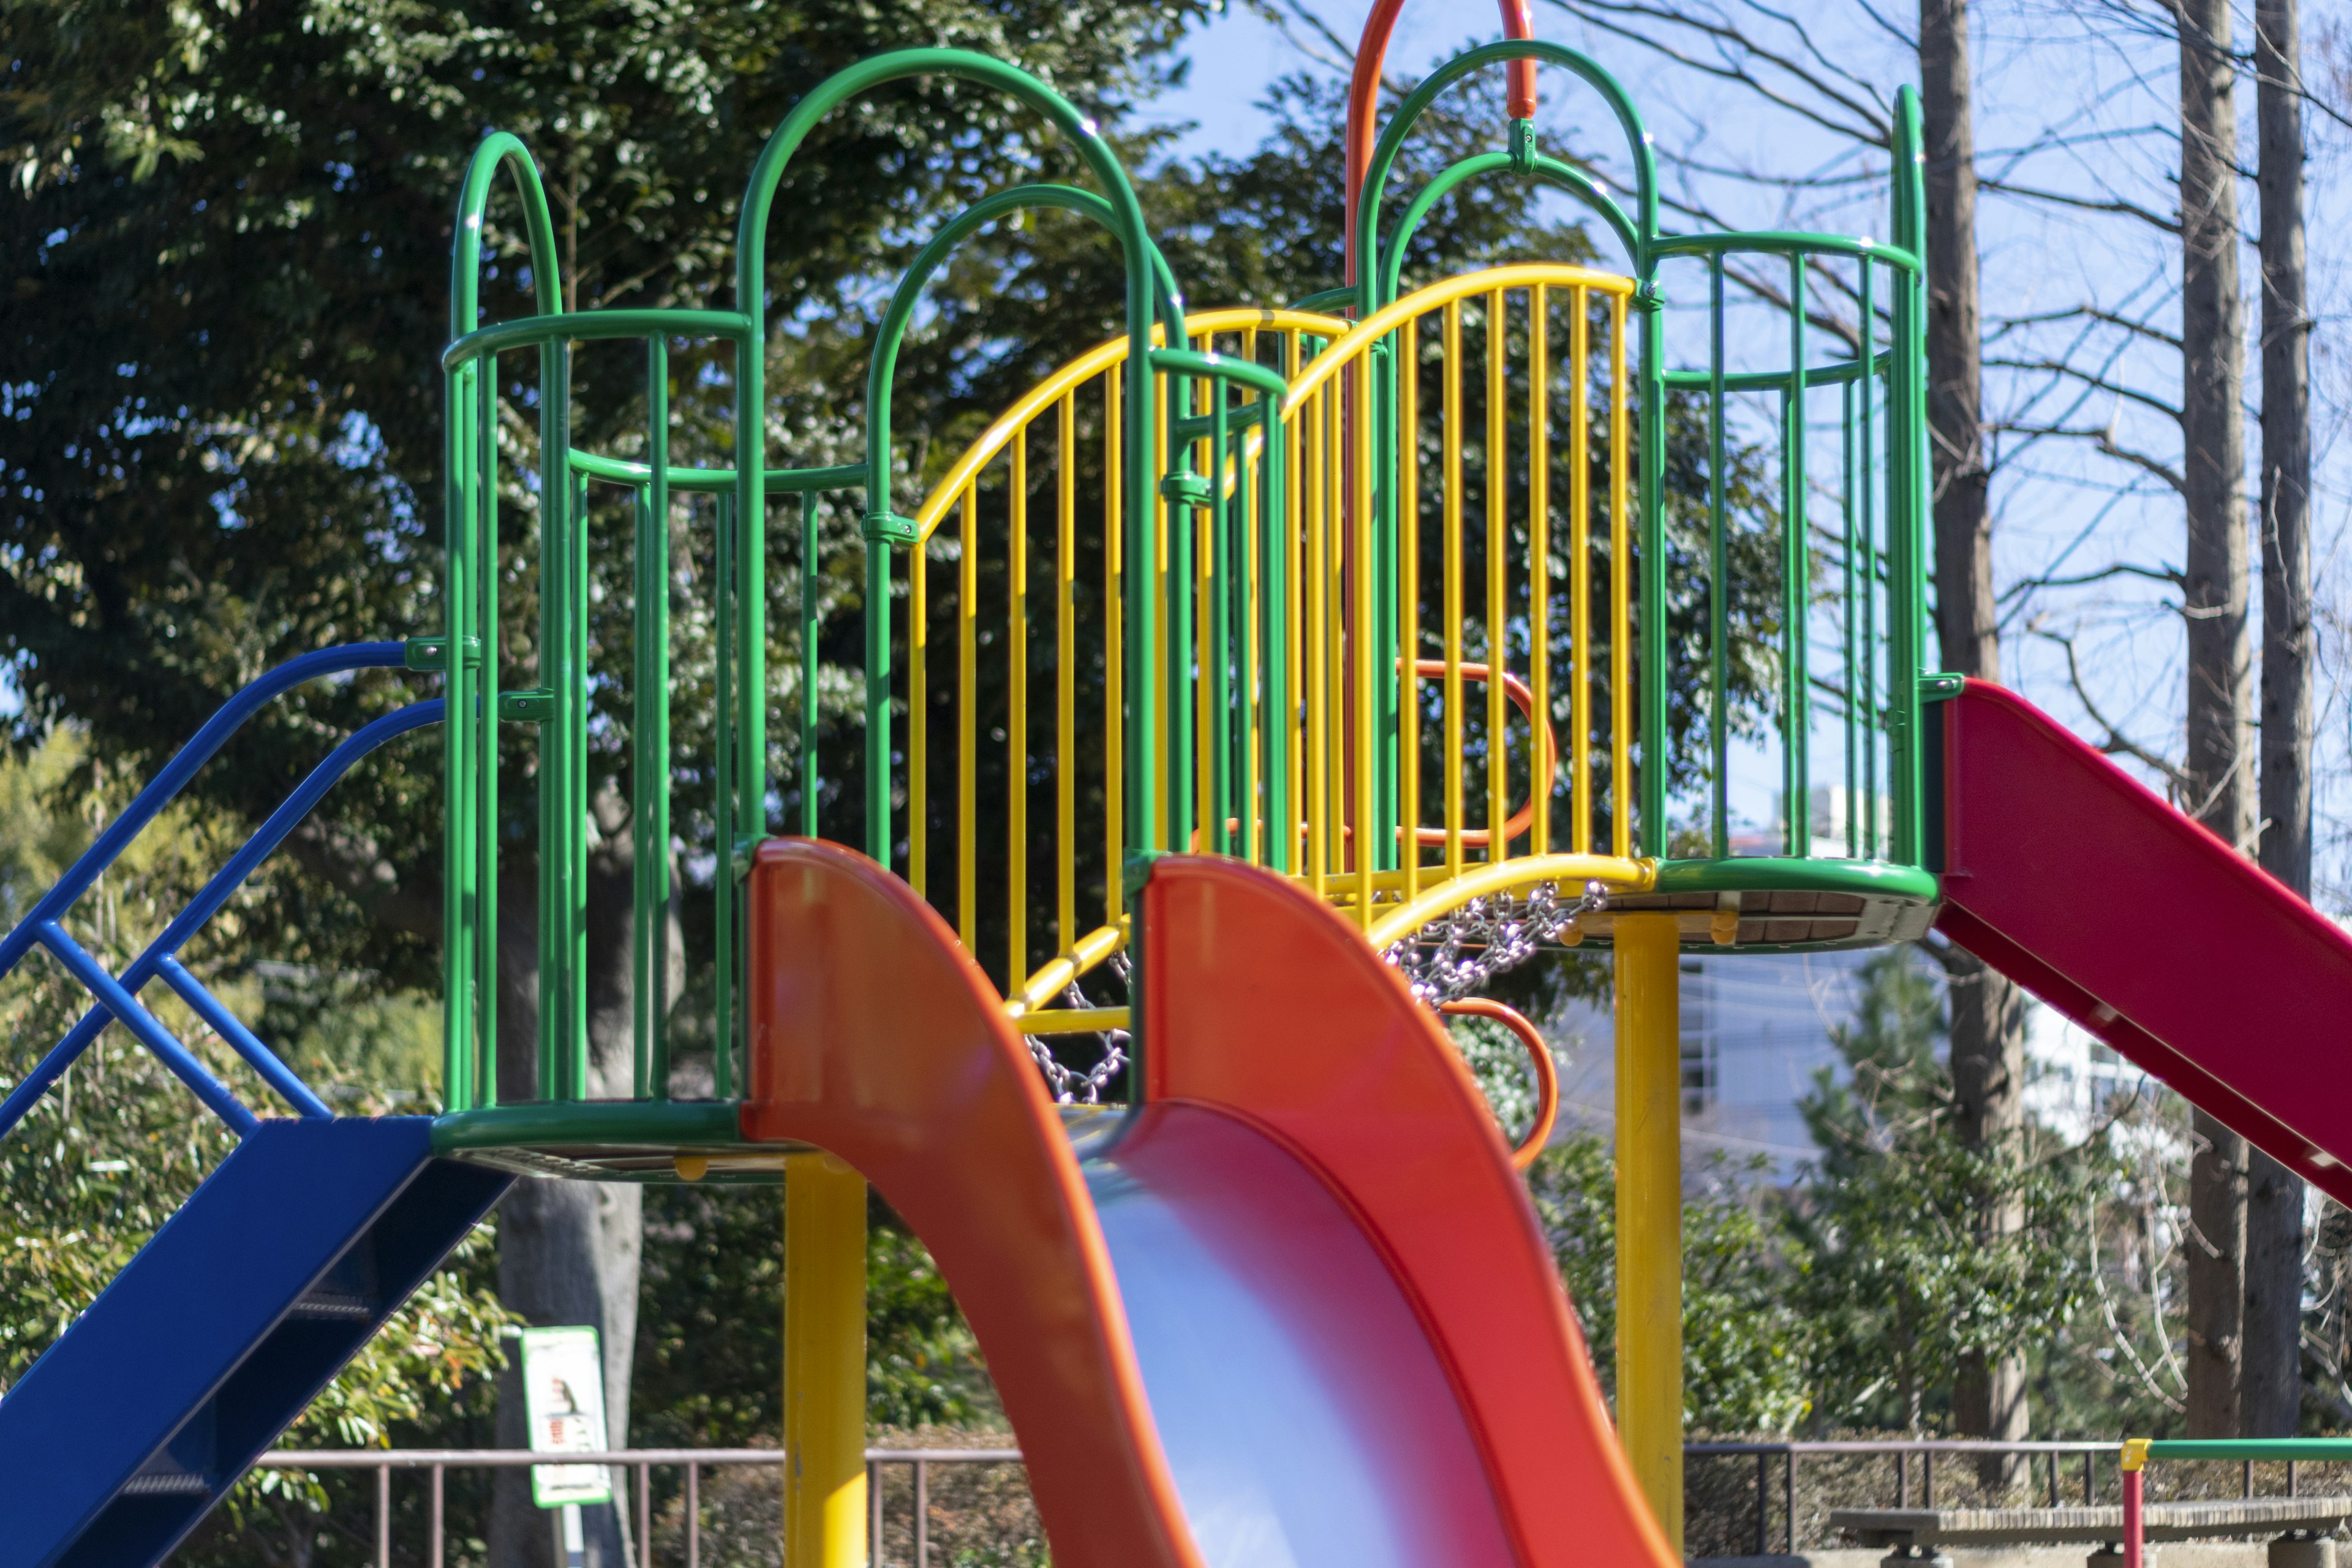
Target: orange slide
<point x="1294" y="1312"/>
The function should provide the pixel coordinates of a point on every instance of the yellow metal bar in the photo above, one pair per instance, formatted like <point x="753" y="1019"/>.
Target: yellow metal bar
<point x="1616" y="873"/>
<point x="1072" y="1021"/>
<point x="1649" y="1212"/>
<point x="1498" y="777"/>
<point x="1114" y="664"/>
<point x="824" y="1362"/>
<point x="1450" y="449"/>
<point x="1361" y="637"/>
<point x="1318" y="736"/>
<point x="1066" y="666"/>
<point x="1579" y="571"/>
<point x="1409" y="604"/>
<point x="1620" y="590"/>
<point x="1016" y="718"/>
<point x="1540" y="560"/>
<point x="967" y="707"/>
<point x="1054" y="976"/>
<point x="1334" y="738"/>
<point x="918" y="689"/>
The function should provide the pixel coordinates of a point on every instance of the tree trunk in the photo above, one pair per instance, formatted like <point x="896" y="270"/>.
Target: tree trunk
<point x="569" y="1251"/>
<point x="2219" y="707"/>
<point x="2272" y="1403"/>
<point x="2217" y="1272"/>
<point x="1987" y="1012"/>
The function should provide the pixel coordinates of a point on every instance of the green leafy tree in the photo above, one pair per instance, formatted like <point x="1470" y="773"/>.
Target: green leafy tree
<point x="1902" y="1280"/>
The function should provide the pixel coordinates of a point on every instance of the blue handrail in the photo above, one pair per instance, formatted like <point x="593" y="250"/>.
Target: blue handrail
<point x="183" y="767"/>
<point x="117" y="998"/>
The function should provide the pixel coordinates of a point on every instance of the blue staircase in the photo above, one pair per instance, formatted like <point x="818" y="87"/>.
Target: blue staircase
<point x="218" y="1335"/>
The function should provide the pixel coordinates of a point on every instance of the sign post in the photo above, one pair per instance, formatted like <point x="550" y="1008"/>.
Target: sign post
<point x="564" y="1401"/>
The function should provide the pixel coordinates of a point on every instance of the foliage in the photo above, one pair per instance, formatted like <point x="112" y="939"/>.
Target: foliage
<point x="120" y="1143"/>
<point x="1917" y="1250"/>
<point x="1746" y="1348"/>
<point x="709" y="1368"/>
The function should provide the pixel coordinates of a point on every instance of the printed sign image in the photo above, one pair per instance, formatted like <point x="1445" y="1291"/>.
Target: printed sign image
<point x="563" y="1400"/>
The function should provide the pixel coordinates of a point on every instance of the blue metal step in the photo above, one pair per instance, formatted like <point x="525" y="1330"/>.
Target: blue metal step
<point x="220" y="1332"/>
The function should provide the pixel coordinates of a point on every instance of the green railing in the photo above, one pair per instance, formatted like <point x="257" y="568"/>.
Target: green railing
<point x="1841" y="497"/>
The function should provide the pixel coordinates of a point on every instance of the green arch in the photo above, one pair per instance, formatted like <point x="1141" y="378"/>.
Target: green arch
<point x="882" y="367"/>
<point x="498" y="149"/>
<point x="1416" y="104"/>
<point x="1142" y="620"/>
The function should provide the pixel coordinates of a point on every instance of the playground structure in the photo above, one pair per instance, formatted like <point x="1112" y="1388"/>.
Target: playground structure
<point x="1352" y="648"/>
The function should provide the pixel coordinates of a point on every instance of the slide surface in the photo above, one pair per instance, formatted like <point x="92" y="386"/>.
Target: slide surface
<point x="1296" y="1313"/>
<point x="2074" y="880"/>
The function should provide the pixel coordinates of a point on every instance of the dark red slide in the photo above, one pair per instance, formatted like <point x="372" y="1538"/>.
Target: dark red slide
<point x="2072" y="879"/>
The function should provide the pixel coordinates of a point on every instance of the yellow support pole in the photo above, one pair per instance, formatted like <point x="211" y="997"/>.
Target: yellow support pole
<point x="1650" y="1213"/>
<point x="824" y="1362"/>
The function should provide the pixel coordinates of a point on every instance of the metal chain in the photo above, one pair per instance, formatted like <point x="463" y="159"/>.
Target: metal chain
<point x="1460" y="952"/>
<point x="1068" y="1085"/>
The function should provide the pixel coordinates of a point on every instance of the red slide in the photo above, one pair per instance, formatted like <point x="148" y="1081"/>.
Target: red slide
<point x="1296" y="1313"/>
<point x="2067" y="875"/>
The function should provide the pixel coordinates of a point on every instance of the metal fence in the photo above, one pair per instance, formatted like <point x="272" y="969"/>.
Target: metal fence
<point x="436" y="1464"/>
<point x="2067" y="1470"/>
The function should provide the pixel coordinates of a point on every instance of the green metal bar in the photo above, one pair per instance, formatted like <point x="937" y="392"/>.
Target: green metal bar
<point x="1796" y="588"/>
<point x="649" y="740"/>
<point x="727" y="911"/>
<point x="1847" y="611"/>
<point x="1777" y="380"/>
<point x="1787" y="244"/>
<point x="1274" y="649"/>
<point x="459" y="911"/>
<point x="500" y="150"/>
<point x="1718" y="580"/>
<point x="1222" y="584"/>
<point x="810" y="542"/>
<point x="711" y="482"/>
<point x="1873" y="722"/>
<point x="878" y="771"/>
<point x="484" y="723"/>
<point x="1906" y="554"/>
<point x="558" y="327"/>
<point x="1182" y="525"/>
<point x="2323" y="1448"/>
<point x="1651" y="496"/>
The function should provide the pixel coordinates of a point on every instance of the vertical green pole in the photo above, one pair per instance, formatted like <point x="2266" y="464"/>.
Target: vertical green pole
<point x="1718" y="577"/>
<point x="649" y="773"/>
<point x="723" y="910"/>
<point x="809" y="778"/>
<point x="1872" y="466"/>
<point x="1851" y="584"/>
<point x="457" y="907"/>
<point x="1652" y="498"/>
<point x="1906" y="518"/>
<point x="1222" y="578"/>
<point x="743" y="548"/>
<point x="1796" y="774"/>
<point x="877" y="701"/>
<point x="1274" y="593"/>
<point x="1183" y="526"/>
<point x="485" y="722"/>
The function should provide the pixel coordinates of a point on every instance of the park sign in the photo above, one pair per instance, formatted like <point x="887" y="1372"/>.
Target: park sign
<point x="564" y="1401"/>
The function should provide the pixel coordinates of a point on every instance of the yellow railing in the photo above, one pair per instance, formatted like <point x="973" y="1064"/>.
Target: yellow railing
<point x="1507" y="402"/>
<point x="1411" y="660"/>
